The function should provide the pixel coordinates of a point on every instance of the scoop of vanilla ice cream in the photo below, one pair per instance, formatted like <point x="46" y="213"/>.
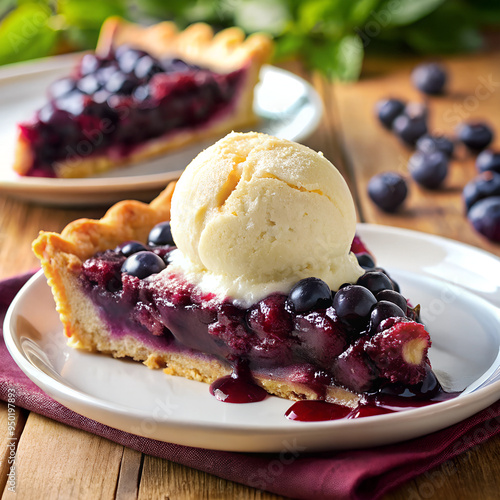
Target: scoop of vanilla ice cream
<point x="253" y="214"/>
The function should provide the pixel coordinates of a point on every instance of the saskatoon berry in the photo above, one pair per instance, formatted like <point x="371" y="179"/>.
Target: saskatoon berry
<point x="488" y="161"/>
<point x="310" y="293"/>
<point x="384" y="310"/>
<point x="429" y="143"/>
<point x="130" y="247"/>
<point x="353" y="303"/>
<point x="388" y="110"/>
<point x="89" y="84"/>
<point x="143" y="264"/>
<point x="483" y="186"/>
<point x="89" y="64"/>
<point x="387" y="190"/>
<point x="365" y="260"/>
<point x="128" y="57"/>
<point x="120" y="83"/>
<point x="146" y="67"/>
<point x="394" y="297"/>
<point x="375" y="281"/>
<point x="429" y="78"/>
<point x="429" y="170"/>
<point x="485" y="217"/>
<point x="412" y="124"/>
<point x="476" y="136"/>
<point x="160" y="235"/>
<point x="61" y="87"/>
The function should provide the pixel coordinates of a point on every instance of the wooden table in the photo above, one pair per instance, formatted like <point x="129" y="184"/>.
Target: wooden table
<point x="57" y="461"/>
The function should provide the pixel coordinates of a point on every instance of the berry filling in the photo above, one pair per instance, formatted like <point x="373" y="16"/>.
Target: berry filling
<point x="112" y="104"/>
<point x="365" y="337"/>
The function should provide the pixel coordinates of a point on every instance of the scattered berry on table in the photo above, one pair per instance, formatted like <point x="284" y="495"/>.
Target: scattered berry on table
<point x="488" y="160"/>
<point x="388" y="110"/>
<point x="429" y="170"/>
<point x="483" y="186"/>
<point x="429" y="78"/>
<point x="429" y="143"/>
<point x="485" y="217"/>
<point x="411" y="124"/>
<point x="476" y="136"/>
<point x="388" y="190"/>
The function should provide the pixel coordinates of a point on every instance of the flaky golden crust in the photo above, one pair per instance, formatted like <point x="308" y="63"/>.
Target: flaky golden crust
<point x="62" y="256"/>
<point x="223" y="52"/>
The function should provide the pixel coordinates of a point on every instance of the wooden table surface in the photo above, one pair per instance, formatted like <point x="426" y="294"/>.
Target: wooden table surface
<point x="57" y="461"/>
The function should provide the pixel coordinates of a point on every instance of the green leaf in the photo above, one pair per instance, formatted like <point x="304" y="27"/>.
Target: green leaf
<point x="25" y="34"/>
<point x="90" y="14"/>
<point x="341" y="60"/>
<point x="404" y="12"/>
<point x="362" y="11"/>
<point x="262" y="15"/>
<point x="323" y="16"/>
<point x="288" y="45"/>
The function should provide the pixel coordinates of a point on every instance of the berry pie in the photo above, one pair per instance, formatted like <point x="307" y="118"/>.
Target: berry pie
<point x="246" y="273"/>
<point x="145" y="91"/>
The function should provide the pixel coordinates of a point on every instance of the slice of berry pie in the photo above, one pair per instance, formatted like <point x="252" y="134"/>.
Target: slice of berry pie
<point x="257" y="282"/>
<point x="145" y="91"/>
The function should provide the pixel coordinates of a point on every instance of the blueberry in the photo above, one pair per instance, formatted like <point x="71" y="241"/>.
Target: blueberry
<point x="483" y="186"/>
<point x="485" y="217"/>
<point x="411" y="124"/>
<point x="54" y="116"/>
<point x="429" y="143"/>
<point x="429" y="78"/>
<point x="429" y="169"/>
<point x="365" y="260"/>
<point x="160" y="235"/>
<point x="488" y="160"/>
<point x="73" y="103"/>
<point x="388" y="190"/>
<point x="89" y="84"/>
<point x="119" y="83"/>
<point x="388" y="109"/>
<point x="171" y="65"/>
<point x="382" y="311"/>
<point x="127" y="57"/>
<point x="104" y="74"/>
<point x="61" y="87"/>
<point x="146" y="67"/>
<point x="375" y="281"/>
<point x="476" y="136"/>
<point x="353" y="304"/>
<point x="142" y="93"/>
<point x="143" y="264"/>
<point x="394" y="297"/>
<point x="130" y="247"/>
<point x="310" y="293"/>
<point x="89" y="64"/>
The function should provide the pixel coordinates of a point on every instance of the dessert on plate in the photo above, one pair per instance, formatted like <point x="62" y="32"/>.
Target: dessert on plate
<point x="145" y="91"/>
<point x="247" y="273"/>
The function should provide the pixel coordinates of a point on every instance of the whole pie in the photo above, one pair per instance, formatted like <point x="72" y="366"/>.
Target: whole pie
<point x="266" y="280"/>
<point x="145" y="91"/>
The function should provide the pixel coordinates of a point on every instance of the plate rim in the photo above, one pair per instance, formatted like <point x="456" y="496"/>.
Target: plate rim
<point x="303" y="429"/>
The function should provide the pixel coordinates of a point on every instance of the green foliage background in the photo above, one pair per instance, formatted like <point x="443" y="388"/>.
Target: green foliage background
<point x="331" y="36"/>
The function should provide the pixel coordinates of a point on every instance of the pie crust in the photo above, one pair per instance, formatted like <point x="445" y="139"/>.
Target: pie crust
<point x="223" y="52"/>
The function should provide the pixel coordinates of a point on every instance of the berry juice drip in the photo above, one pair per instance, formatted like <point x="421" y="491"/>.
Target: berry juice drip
<point x="239" y="387"/>
<point x="390" y="399"/>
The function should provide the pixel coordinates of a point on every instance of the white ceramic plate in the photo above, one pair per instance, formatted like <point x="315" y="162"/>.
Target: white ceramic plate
<point x="445" y="277"/>
<point x="287" y="105"/>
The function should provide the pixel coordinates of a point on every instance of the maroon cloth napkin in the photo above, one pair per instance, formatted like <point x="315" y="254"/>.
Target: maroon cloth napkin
<point x="356" y="474"/>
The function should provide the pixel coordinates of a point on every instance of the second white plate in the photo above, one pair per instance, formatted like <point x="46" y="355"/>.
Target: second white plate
<point x="287" y="105"/>
<point x="435" y="272"/>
